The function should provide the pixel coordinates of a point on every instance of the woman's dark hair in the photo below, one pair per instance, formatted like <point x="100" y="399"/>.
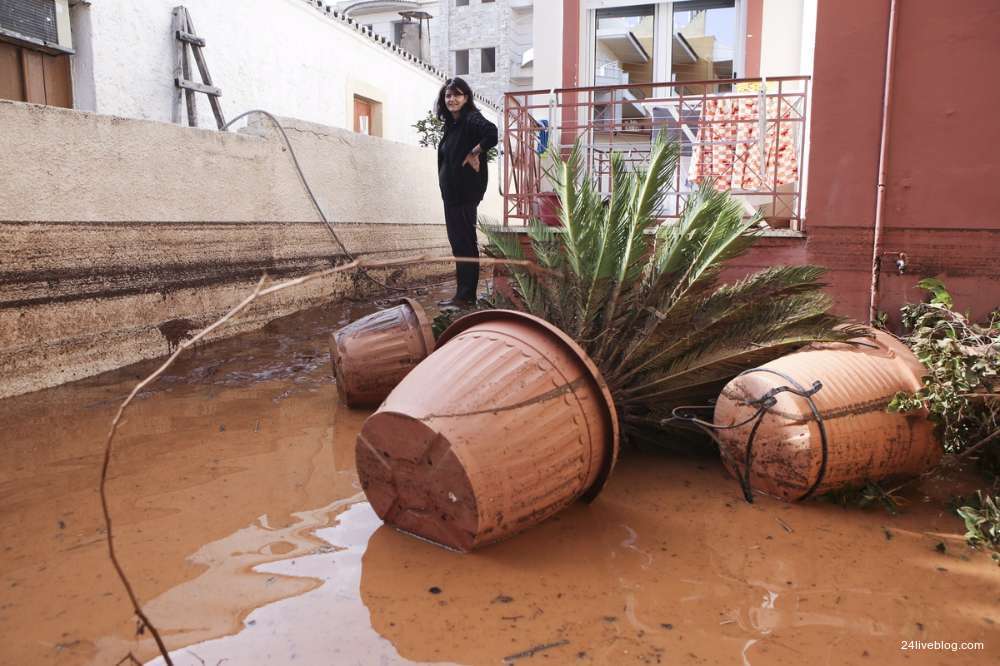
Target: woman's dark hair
<point x="455" y="85"/>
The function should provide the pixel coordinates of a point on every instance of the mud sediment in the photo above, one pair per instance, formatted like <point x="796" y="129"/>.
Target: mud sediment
<point x="240" y="521"/>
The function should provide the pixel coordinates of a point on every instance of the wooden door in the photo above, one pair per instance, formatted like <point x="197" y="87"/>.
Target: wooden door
<point x="58" y="81"/>
<point x="11" y="76"/>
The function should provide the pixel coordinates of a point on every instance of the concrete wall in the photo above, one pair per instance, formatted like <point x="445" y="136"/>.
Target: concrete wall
<point x="286" y="56"/>
<point x="548" y="44"/>
<point x="781" y="38"/>
<point x="520" y="38"/>
<point x="116" y="235"/>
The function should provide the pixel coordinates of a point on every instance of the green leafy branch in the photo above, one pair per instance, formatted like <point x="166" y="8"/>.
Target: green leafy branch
<point x="431" y="131"/>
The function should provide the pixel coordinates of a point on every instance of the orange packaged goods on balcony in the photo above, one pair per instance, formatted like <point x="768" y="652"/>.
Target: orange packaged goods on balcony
<point x="740" y="149"/>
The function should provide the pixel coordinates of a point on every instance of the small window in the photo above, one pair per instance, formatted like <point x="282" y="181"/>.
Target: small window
<point x="489" y="60"/>
<point x="461" y="3"/>
<point x="367" y="116"/>
<point x="461" y="62"/>
<point x="35" y="19"/>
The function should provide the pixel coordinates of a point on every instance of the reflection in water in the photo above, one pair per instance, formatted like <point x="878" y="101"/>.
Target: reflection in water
<point x="575" y="591"/>
<point x="743" y="653"/>
<point x="227" y="589"/>
<point x="327" y="625"/>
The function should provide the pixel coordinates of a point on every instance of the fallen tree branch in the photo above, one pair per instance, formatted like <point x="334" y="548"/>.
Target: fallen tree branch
<point x="258" y="292"/>
<point x="980" y="444"/>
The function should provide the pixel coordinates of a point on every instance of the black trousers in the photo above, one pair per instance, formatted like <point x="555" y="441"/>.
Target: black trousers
<point x="460" y="220"/>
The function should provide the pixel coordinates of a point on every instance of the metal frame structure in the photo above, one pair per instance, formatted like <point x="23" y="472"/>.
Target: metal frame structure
<point x="627" y="118"/>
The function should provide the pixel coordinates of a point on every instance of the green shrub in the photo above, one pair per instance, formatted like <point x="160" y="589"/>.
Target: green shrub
<point x="982" y="523"/>
<point x="963" y="373"/>
<point x="960" y="392"/>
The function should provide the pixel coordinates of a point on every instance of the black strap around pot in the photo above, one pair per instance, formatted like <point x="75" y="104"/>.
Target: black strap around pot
<point x="763" y="403"/>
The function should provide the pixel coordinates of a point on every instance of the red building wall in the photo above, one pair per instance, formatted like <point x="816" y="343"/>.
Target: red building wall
<point x="942" y="205"/>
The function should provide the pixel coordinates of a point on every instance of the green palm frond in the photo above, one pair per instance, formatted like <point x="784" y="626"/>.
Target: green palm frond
<point x="727" y="353"/>
<point x="692" y="319"/>
<point x="646" y="198"/>
<point x="559" y="296"/>
<point x="648" y="308"/>
<point x="527" y="287"/>
<point x="596" y="281"/>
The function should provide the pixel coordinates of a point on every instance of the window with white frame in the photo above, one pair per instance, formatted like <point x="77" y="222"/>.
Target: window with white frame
<point x="706" y="35"/>
<point x="641" y="42"/>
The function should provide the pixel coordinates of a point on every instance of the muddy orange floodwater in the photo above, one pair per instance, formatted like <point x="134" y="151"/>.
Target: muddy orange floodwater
<point x="239" y="518"/>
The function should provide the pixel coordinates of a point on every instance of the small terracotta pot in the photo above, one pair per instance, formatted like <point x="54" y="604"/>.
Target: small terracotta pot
<point x="372" y="354"/>
<point x="549" y="209"/>
<point x="864" y="442"/>
<point x="494" y="432"/>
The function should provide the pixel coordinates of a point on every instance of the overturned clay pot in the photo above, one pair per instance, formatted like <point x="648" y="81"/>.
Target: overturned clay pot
<point x="845" y="437"/>
<point x="505" y="424"/>
<point x="372" y="354"/>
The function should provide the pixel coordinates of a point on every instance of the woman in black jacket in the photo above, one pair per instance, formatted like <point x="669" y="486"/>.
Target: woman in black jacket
<point x="463" y="177"/>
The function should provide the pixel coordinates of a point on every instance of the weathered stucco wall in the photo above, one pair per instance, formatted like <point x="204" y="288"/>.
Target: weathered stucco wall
<point x="116" y="236"/>
<point x="286" y="56"/>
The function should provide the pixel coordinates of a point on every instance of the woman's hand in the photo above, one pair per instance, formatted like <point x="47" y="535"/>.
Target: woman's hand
<point x="472" y="159"/>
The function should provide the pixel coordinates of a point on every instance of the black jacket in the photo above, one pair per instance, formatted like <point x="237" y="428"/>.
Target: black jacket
<point x="461" y="184"/>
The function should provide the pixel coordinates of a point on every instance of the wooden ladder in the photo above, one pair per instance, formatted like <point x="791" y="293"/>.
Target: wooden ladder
<point x="186" y="42"/>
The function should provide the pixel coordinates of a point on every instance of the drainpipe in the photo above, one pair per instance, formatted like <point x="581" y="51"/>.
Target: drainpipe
<point x="890" y="59"/>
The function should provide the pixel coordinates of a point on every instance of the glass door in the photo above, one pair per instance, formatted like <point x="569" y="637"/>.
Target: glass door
<point x="624" y="48"/>
<point x="704" y="43"/>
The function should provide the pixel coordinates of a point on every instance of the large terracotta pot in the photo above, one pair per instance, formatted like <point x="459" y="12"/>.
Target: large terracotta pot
<point x="505" y="424"/>
<point x="845" y="437"/>
<point x="372" y="354"/>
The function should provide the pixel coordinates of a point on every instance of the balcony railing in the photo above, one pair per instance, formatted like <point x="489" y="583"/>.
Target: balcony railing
<point x="742" y="135"/>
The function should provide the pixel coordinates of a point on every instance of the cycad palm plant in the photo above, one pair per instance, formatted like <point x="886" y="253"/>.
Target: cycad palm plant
<point x="644" y="301"/>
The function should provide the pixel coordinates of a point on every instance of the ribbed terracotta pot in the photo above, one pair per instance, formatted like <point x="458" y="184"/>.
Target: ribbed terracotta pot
<point x="864" y="442"/>
<point x="506" y="423"/>
<point x="372" y="354"/>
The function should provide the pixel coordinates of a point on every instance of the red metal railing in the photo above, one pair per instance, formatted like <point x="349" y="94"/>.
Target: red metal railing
<point x="744" y="135"/>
